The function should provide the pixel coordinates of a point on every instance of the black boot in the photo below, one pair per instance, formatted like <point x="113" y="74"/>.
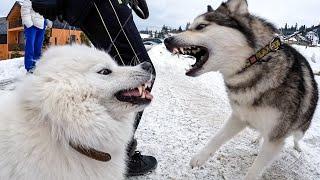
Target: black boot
<point x="139" y="164"/>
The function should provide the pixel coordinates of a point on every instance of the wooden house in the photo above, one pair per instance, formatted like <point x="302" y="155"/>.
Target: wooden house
<point x="60" y="34"/>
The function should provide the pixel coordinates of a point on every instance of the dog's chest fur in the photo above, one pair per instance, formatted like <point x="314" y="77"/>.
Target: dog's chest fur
<point x="38" y="156"/>
<point x="262" y="119"/>
<point x="243" y="95"/>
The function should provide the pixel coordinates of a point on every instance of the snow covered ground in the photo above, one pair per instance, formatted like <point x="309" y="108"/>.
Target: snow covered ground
<point x="186" y="112"/>
<point x="312" y="54"/>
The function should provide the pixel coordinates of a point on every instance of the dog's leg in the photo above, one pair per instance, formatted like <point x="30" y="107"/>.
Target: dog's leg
<point x="297" y="136"/>
<point x="230" y="129"/>
<point x="269" y="150"/>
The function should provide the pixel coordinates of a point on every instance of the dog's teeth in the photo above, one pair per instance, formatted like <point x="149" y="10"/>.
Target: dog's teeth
<point x="143" y="95"/>
<point x="175" y="51"/>
<point x="182" y="50"/>
<point x="140" y="90"/>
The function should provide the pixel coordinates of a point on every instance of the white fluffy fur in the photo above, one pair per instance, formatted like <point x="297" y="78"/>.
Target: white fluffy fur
<point x="66" y="100"/>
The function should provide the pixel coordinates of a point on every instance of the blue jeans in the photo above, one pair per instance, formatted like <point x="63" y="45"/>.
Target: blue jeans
<point x="34" y="41"/>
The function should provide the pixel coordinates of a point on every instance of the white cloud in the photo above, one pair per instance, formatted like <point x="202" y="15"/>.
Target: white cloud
<point x="5" y="6"/>
<point x="179" y="12"/>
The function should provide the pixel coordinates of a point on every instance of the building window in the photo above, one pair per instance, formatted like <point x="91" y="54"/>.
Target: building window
<point x="55" y="41"/>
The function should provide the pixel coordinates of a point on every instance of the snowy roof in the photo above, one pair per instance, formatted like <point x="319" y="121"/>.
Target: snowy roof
<point x="3" y="25"/>
<point x="312" y="33"/>
<point x="293" y="39"/>
<point x="63" y="25"/>
<point x="144" y="36"/>
<point x="302" y="38"/>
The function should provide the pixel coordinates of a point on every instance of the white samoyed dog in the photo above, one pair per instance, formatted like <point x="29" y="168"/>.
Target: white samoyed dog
<point x="72" y="118"/>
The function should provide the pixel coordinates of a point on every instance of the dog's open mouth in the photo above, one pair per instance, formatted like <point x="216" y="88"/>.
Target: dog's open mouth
<point x="200" y="53"/>
<point x="137" y="96"/>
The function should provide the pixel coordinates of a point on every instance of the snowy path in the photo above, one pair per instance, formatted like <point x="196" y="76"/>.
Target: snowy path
<point x="185" y="113"/>
<point x="7" y="84"/>
<point x="10" y="72"/>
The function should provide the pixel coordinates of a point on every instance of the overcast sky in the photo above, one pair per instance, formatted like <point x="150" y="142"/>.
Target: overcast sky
<point x="178" y="12"/>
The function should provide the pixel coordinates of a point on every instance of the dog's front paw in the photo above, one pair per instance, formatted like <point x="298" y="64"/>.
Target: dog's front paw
<point x="199" y="159"/>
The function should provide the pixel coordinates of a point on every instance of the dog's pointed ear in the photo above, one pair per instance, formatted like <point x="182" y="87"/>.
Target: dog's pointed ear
<point x="239" y="7"/>
<point x="210" y="9"/>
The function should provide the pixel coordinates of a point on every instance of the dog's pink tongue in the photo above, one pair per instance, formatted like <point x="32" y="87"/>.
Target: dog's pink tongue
<point x="134" y="92"/>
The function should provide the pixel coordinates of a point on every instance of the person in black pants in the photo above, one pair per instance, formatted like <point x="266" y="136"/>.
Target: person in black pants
<point x="109" y="25"/>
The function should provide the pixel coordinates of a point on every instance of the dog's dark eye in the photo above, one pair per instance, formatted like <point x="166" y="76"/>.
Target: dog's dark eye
<point x="105" y="72"/>
<point x="201" y="26"/>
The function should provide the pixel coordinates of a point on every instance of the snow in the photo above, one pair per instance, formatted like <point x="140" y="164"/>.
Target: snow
<point x="293" y="39"/>
<point x="12" y="68"/>
<point x="312" y="54"/>
<point x="186" y="112"/>
<point x="144" y="36"/>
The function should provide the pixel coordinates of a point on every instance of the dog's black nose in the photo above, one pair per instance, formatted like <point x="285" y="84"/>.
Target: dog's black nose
<point x="168" y="40"/>
<point x="146" y="66"/>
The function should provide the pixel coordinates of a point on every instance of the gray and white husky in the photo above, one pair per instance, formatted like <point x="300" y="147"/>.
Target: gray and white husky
<point x="276" y="96"/>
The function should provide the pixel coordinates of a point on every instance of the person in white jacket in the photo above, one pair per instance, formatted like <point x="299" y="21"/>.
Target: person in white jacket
<point x="34" y="31"/>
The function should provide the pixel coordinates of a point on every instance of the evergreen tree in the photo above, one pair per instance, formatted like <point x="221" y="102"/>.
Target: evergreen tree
<point x="84" y="39"/>
<point x="286" y="27"/>
<point x="165" y="29"/>
<point x="302" y="28"/>
<point x="187" y="26"/>
<point x="46" y="41"/>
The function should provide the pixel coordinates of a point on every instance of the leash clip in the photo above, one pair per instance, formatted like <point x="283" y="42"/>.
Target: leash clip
<point x="275" y="44"/>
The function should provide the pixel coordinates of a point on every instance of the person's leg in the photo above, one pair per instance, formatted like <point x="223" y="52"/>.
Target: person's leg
<point x="131" y="52"/>
<point x="38" y="43"/>
<point x="30" y="34"/>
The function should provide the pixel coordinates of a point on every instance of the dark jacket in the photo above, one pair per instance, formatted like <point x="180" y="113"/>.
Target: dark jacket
<point x="75" y="11"/>
<point x="72" y="11"/>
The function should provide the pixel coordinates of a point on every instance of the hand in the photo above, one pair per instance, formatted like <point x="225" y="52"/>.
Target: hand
<point x="49" y="24"/>
<point x="140" y="7"/>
